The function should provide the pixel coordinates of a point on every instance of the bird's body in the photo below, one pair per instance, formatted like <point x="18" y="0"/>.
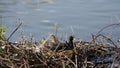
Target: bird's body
<point x="59" y="45"/>
<point x="55" y="46"/>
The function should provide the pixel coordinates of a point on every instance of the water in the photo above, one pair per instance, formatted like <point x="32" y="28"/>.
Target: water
<point x="79" y="17"/>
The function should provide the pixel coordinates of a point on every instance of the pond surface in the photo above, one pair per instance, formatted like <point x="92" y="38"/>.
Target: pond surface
<point x="79" y="17"/>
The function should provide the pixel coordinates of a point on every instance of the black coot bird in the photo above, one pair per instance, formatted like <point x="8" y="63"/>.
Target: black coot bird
<point x="59" y="45"/>
<point x="69" y="43"/>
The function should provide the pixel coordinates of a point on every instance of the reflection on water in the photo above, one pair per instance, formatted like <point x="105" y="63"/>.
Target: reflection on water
<point x="22" y="12"/>
<point x="86" y="17"/>
<point x="35" y="2"/>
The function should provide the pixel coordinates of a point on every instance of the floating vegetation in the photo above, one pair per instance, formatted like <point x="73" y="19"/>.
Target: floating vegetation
<point x="54" y="53"/>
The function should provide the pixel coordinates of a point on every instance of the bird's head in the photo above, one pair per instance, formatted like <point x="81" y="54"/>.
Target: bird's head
<point x="70" y="39"/>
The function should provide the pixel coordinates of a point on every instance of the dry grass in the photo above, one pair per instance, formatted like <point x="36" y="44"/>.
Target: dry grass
<point x="28" y="54"/>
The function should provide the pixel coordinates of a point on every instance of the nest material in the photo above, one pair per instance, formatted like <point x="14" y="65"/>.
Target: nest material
<point x="83" y="55"/>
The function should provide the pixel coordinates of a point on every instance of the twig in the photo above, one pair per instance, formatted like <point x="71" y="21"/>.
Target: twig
<point x="108" y="39"/>
<point x="114" y="58"/>
<point x="40" y="60"/>
<point x="72" y="30"/>
<point x="76" y="66"/>
<point x="85" y="63"/>
<point x="70" y="61"/>
<point x="45" y="41"/>
<point x="14" y="31"/>
<point x="93" y="38"/>
<point x="63" y="63"/>
<point x="107" y="27"/>
<point x="26" y="63"/>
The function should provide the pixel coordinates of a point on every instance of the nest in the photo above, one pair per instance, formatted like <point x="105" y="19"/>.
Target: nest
<point x="28" y="54"/>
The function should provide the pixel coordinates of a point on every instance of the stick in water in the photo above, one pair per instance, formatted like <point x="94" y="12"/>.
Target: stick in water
<point x="14" y="31"/>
